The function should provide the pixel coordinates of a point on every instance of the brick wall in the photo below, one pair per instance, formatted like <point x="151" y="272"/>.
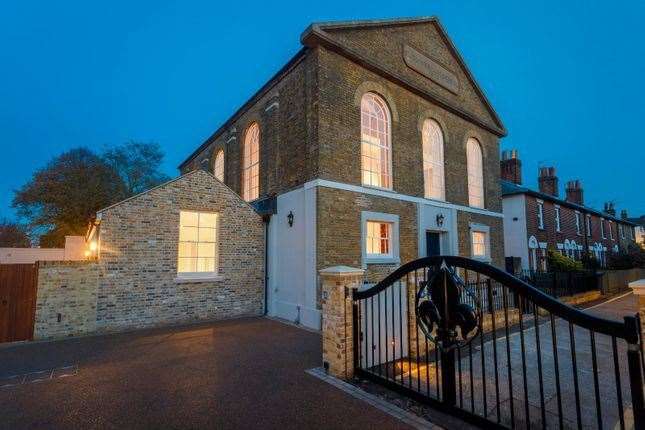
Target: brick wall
<point x="282" y="114"/>
<point x="66" y="299"/>
<point x="138" y="258"/>
<point x="134" y="283"/>
<point x="339" y="229"/>
<point x="342" y="82"/>
<point x="568" y="227"/>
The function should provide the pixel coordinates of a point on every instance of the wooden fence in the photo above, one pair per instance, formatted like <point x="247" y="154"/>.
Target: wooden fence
<point x="18" y="285"/>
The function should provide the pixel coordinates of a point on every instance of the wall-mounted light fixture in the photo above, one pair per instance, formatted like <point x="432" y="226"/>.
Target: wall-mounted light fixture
<point x="440" y="219"/>
<point x="290" y="219"/>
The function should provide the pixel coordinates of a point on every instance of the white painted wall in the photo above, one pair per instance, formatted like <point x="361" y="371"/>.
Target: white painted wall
<point x="515" y="232"/>
<point x="74" y="250"/>
<point x="427" y="216"/>
<point x="292" y="259"/>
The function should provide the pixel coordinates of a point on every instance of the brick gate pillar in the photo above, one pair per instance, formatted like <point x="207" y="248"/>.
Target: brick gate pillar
<point x="639" y="293"/>
<point x="338" y="282"/>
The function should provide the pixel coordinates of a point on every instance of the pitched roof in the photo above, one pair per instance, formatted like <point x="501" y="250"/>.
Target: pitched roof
<point x="510" y="189"/>
<point x="318" y="33"/>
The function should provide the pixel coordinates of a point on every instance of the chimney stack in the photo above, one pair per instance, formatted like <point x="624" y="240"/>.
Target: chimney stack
<point x="623" y="214"/>
<point x="609" y="208"/>
<point x="574" y="192"/>
<point x="511" y="167"/>
<point x="548" y="181"/>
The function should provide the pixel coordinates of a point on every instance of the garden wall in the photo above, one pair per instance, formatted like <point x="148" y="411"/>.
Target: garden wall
<point x="615" y="281"/>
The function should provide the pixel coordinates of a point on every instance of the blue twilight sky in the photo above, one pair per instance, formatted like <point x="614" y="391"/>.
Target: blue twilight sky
<point x="565" y="77"/>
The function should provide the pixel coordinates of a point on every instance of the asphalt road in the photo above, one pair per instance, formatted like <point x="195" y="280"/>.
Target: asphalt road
<point x="247" y="373"/>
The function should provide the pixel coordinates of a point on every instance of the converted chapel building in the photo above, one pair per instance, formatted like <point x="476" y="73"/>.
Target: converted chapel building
<point x="371" y="147"/>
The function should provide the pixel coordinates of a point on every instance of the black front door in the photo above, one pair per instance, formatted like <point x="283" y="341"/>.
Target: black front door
<point x="432" y="244"/>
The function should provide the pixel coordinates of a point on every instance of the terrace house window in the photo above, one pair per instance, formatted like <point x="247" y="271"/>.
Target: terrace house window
<point x="557" y="218"/>
<point x="540" y="214"/>
<point x="376" y="146"/>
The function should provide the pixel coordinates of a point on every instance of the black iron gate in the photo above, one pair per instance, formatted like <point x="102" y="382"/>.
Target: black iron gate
<point x="483" y="345"/>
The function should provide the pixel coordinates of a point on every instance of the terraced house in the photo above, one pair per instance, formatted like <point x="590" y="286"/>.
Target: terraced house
<point x="371" y="147"/>
<point x="539" y="220"/>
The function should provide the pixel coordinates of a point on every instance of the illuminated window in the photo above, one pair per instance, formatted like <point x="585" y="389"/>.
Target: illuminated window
<point x="376" y="157"/>
<point x="433" y="177"/>
<point x="251" y="164"/>
<point x="475" y="173"/>
<point x="197" y="242"/>
<point x="218" y="166"/>
<point x="378" y="240"/>
<point x="479" y="241"/>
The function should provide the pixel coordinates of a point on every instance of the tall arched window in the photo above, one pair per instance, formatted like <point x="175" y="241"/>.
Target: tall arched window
<point x="433" y="177"/>
<point x="475" y="173"/>
<point x="376" y="151"/>
<point x="251" y="163"/>
<point x="218" y="165"/>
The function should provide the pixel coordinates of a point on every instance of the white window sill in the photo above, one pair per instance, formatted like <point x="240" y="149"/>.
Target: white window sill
<point x="382" y="260"/>
<point x="485" y="259"/>
<point x="187" y="278"/>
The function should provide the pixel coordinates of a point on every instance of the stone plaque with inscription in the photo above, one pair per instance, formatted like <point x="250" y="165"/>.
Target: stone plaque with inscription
<point x="430" y="68"/>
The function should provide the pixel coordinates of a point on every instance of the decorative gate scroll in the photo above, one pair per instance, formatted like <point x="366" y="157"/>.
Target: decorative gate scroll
<point x="483" y="345"/>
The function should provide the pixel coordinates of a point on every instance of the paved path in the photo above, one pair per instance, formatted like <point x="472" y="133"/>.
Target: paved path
<point x="511" y="359"/>
<point x="246" y="373"/>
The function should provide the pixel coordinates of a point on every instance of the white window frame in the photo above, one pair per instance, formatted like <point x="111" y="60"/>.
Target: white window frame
<point x="218" y="164"/>
<point x="589" y="225"/>
<point x="393" y="257"/>
<point x="557" y="219"/>
<point x="383" y="171"/>
<point x="475" y="168"/>
<point x="251" y="167"/>
<point x="480" y="228"/>
<point x="578" y="224"/>
<point x="602" y="228"/>
<point x="205" y="275"/>
<point x="540" y="213"/>
<point x="433" y="160"/>
<point x="621" y="231"/>
<point x="611" y="232"/>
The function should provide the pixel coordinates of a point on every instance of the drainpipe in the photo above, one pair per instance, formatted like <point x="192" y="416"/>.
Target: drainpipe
<point x="267" y="220"/>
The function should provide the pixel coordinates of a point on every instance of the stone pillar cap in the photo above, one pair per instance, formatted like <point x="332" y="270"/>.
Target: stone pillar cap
<point x="341" y="271"/>
<point x="638" y="287"/>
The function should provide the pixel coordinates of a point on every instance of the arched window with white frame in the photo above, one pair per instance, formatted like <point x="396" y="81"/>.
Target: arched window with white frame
<point x="376" y="146"/>
<point x="218" y="165"/>
<point x="433" y="175"/>
<point x="251" y="163"/>
<point x="475" y="164"/>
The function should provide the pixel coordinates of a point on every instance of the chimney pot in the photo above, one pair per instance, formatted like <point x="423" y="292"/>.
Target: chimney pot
<point x="574" y="192"/>
<point x="548" y="181"/>
<point x="511" y="166"/>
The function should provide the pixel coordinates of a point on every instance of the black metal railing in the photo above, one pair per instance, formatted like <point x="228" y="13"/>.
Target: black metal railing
<point x="488" y="347"/>
<point x="562" y="284"/>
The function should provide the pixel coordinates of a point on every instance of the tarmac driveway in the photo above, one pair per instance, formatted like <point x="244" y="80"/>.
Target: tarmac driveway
<point x="247" y="373"/>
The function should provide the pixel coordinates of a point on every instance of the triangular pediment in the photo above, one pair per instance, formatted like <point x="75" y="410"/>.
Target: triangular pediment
<point x="417" y="53"/>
